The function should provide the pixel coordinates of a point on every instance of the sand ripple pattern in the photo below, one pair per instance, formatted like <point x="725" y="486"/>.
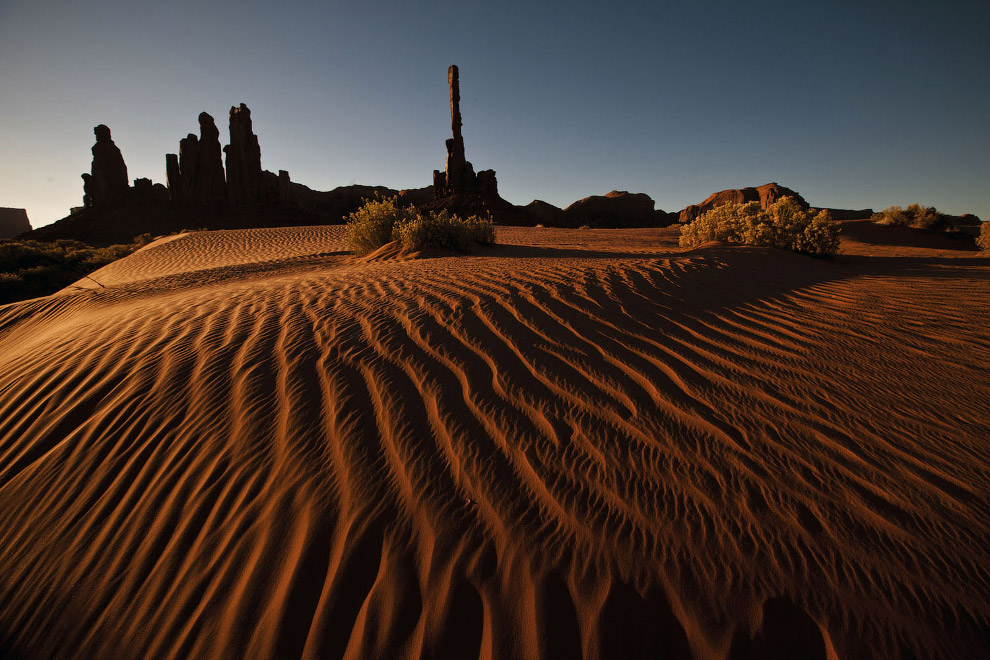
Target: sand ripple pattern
<point x="519" y="454"/>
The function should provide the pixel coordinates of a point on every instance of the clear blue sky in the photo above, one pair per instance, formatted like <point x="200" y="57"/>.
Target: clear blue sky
<point x="853" y="104"/>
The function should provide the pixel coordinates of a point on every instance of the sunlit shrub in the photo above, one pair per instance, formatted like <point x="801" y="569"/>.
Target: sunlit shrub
<point x="783" y="225"/>
<point x="983" y="240"/>
<point x="915" y="215"/>
<point x="381" y="221"/>
<point x="370" y="227"/>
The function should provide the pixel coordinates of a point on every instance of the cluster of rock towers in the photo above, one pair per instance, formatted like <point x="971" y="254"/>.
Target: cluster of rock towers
<point x="196" y="174"/>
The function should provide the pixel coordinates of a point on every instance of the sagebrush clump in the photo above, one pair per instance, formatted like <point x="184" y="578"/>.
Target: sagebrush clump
<point x="380" y="221"/>
<point x="783" y="225"/>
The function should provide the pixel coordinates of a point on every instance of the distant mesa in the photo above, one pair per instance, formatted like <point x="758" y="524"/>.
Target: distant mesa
<point x="13" y="222"/>
<point x="766" y="195"/>
<point x="617" y="209"/>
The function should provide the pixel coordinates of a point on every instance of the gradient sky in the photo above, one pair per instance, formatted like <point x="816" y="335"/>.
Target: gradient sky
<point x="852" y="104"/>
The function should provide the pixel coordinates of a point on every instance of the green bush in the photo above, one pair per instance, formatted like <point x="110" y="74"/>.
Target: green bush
<point x="983" y="240"/>
<point x="30" y="268"/>
<point x="915" y="215"/>
<point x="381" y="221"/>
<point x="783" y="225"/>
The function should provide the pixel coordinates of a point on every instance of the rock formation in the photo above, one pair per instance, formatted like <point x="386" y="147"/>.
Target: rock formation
<point x="199" y="175"/>
<point x="209" y="166"/>
<point x="188" y="164"/>
<point x="172" y="177"/>
<point x="243" y="159"/>
<point x="766" y="195"/>
<point x="108" y="186"/>
<point x="13" y="222"/>
<point x="615" y="209"/>
<point x="458" y="178"/>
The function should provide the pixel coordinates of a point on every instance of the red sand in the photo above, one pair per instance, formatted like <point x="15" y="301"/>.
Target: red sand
<point x="577" y="444"/>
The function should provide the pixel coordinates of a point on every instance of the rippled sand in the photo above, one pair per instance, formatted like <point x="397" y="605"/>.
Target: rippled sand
<point x="576" y="444"/>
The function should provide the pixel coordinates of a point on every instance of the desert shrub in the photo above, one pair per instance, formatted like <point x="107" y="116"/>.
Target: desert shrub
<point x="983" y="240"/>
<point x="783" y="225"/>
<point x="370" y="227"/>
<point x="915" y="215"/>
<point x="381" y="221"/>
<point x="30" y="268"/>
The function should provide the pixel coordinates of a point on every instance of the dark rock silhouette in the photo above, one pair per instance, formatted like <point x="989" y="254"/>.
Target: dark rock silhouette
<point x="616" y="209"/>
<point x="109" y="173"/>
<point x="87" y="190"/>
<point x="243" y="159"/>
<point x="188" y="165"/>
<point x="13" y="222"/>
<point x="209" y="181"/>
<point x="200" y="175"/>
<point x="458" y="177"/>
<point x="173" y="178"/>
<point x="545" y="213"/>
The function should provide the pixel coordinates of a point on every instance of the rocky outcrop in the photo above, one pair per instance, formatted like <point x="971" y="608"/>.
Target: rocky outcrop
<point x="766" y="195"/>
<point x="108" y="185"/>
<point x="615" y="209"/>
<point x="13" y="222"/>
<point x="243" y="159"/>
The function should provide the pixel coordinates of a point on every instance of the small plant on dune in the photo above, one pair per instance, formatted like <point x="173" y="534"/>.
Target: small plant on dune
<point x="783" y="225"/>
<point x="381" y="221"/>
<point x="983" y="240"/>
<point x="370" y="227"/>
<point x="915" y="215"/>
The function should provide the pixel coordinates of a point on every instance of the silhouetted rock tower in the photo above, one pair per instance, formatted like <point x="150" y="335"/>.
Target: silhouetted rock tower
<point x="458" y="178"/>
<point x="107" y="185"/>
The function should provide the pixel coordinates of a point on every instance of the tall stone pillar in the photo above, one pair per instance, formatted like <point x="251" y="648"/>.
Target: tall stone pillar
<point x="455" y="145"/>
<point x="243" y="158"/>
<point x="173" y="178"/>
<point x="109" y="173"/>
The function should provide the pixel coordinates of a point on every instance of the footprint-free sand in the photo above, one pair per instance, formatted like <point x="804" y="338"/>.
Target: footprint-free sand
<point x="575" y="444"/>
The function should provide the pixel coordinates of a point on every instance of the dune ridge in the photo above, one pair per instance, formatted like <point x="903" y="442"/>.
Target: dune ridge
<point x="573" y="445"/>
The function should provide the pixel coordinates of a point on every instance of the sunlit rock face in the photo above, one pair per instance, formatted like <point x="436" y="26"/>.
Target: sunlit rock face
<point x="766" y="195"/>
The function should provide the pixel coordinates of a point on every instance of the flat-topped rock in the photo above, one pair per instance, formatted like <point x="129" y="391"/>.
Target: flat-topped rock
<point x="13" y="222"/>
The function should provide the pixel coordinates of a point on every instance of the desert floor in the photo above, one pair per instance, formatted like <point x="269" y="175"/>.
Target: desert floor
<point x="575" y="444"/>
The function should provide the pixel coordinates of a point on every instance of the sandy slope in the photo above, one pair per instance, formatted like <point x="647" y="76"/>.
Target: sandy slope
<point x="577" y="444"/>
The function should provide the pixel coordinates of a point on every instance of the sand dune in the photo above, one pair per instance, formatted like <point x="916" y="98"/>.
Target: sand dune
<point x="576" y="444"/>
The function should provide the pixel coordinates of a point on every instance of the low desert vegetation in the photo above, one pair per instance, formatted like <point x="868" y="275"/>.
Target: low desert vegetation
<point x="915" y="215"/>
<point x="983" y="240"/>
<point x="29" y="269"/>
<point x="783" y="225"/>
<point x="382" y="220"/>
